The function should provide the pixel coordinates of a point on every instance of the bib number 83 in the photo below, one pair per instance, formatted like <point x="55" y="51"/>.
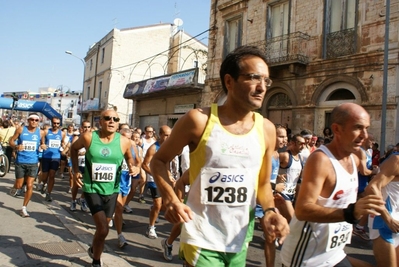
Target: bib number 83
<point x="228" y="195"/>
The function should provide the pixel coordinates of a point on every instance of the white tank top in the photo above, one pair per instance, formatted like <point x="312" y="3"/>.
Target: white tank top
<point x="224" y="171"/>
<point x="293" y="174"/>
<point x="322" y="244"/>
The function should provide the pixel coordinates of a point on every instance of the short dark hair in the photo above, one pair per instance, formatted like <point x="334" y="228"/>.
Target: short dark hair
<point x="231" y="64"/>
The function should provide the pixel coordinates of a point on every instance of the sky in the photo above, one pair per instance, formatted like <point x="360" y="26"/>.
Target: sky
<point x="36" y="34"/>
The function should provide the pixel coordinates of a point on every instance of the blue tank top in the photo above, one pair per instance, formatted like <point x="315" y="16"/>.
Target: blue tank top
<point x="275" y="169"/>
<point x="53" y="142"/>
<point x="31" y="143"/>
<point x="364" y="180"/>
<point x="70" y="137"/>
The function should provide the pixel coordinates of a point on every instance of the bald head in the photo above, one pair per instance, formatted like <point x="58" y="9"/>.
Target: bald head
<point x="164" y="132"/>
<point x="342" y="113"/>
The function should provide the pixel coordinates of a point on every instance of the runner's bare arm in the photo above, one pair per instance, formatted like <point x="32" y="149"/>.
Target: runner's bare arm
<point x="131" y="162"/>
<point x="83" y="141"/>
<point x="187" y="131"/>
<point x="275" y="225"/>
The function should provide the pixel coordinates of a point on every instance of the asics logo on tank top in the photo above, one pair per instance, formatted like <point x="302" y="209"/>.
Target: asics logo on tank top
<point x="103" y="168"/>
<point x="238" y="178"/>
<point x="342" y="226"/>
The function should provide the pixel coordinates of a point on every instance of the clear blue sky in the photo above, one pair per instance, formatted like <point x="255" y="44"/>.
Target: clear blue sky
<point x="36" y="34"/>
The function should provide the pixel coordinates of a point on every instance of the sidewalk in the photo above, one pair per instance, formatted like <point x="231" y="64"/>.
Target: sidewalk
<point x="49" y="237"/>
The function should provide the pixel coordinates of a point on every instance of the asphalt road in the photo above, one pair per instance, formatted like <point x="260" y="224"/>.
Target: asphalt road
<point x="143" y="252"/>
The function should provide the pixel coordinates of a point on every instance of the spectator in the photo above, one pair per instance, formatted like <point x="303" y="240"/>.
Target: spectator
<point x="376" y="155"/>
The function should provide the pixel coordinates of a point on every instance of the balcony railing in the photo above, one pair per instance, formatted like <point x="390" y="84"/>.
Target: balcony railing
<point x="341" y="43"/>
<point x="286" y="49"/>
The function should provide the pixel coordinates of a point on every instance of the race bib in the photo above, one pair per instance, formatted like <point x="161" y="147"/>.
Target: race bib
<point x="102" y="172"/>
<point x="29" y="145"/>
<point x="339" y="234"/>
<point x="54" y="143"/>
<point x="230" y="187"/>
<point x="290" y="188"/>
<point x="81" y="161"/>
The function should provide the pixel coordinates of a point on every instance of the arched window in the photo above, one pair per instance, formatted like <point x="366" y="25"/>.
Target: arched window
<point x="280" y="100"/>
<point x="341" y="94"/>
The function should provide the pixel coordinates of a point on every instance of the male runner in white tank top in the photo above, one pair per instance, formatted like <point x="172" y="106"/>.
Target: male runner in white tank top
<point x="326" y="205"/>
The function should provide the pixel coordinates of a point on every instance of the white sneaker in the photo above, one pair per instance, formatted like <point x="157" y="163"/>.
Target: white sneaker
<point x="151" y="232"/>
<point x="24" y="213"/>
<point x="13" y="192"/>
<point x="111" y="223"/>
<point x="122" y="241"/>
<point x="127" y="209"/>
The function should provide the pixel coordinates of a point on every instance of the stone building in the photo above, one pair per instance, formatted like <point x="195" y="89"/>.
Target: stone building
<point x="131" y="55"/>
<point x="320" y="53"/>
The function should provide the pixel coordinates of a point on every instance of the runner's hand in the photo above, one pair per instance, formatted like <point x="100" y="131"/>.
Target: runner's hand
<point x="177" y="212"/>
<point x="134" y="171"/>
<point x="276" y="226"/>
<point x="77" y="179"/>
<point x="371" y="204"/>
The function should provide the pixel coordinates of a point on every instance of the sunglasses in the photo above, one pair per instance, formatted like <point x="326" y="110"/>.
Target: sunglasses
<point x="85" y="127"/>
<point x="108" y="118"/>
<point x="34" y="120"/>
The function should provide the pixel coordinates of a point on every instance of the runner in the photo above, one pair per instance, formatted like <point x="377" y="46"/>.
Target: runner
<point x="105" y="150"/>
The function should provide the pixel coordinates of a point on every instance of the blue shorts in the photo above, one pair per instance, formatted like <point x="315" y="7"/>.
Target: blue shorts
<point x="153" y="189"/>
<point x="50" y="164"/>
<point x="288" y="197"/>
<point x="124" y="187"/>
<point x="259" y="211"/>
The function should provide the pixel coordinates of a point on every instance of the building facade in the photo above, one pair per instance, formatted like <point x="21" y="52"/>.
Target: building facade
<point x="128" y="56"/>
<point x="320" y="53"/>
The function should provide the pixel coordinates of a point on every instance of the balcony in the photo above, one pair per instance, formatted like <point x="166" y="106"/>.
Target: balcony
<point x="341" y="43"/>
<point x="286" y="49"/>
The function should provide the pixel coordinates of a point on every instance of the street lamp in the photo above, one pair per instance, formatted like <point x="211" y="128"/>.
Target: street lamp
<point x="83" y="85"/>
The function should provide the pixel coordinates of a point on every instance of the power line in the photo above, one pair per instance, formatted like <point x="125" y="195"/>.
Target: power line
<point x="160" y="53"/>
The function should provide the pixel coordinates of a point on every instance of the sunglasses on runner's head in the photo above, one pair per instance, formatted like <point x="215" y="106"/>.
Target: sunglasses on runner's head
<point x="108" y="118"/>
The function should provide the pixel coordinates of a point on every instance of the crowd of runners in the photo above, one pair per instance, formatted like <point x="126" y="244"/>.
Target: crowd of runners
<point x="219" y="170"/>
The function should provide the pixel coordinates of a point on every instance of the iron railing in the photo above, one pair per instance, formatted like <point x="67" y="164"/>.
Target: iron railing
<point x="341" y="43"/>
<point x="285" y="49"/>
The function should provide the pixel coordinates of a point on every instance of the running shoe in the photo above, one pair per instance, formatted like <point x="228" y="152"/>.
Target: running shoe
<point x="111" y="223"/>
<point x="13" y="192"/>
<point x="69" y="190"/>
<point x="43" y="189"/>
<point x="24" y="213"/>
<point x="83" y="205"/>
<point x="122" y="241"/>
<point x="95" y="265"/>
<point x="72" y="207"/>
<point x="90" y="252"/>
<point x="167" y="250"/>
<point x="151" y="232"/>
<point x="39" y="187"/>
<point x="141" y="200"/>
<point x="127" y="209"/>
<point x="48" y="197"/>
<point x="361" y="233"/>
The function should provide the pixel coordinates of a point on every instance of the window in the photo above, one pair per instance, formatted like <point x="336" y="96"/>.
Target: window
<point x="233" y="35"/>
<point x="88" y="92"/>
<point x="100" y="87"/>
<point x="340" y="94"/>
<point x="195" y="63"/>
<point x="70" y="113"/>
<point x="102" y="55"/>
<point x="339" y="28"/>
<point x="277" y="31"/>
<point x="341" y="14"/>
<point x="91" y="64"/>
